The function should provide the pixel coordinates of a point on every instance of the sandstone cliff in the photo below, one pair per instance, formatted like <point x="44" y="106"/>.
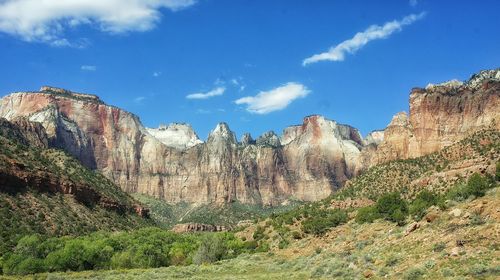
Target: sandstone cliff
<point x="440" y="115"/>
<point x="171" y="163"/>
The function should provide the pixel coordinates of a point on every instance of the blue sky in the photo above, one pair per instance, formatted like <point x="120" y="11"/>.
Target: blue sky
<point x="242" y="62"/>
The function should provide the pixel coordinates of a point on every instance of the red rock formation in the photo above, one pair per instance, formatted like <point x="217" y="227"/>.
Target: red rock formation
<point x="440" y="115"/>
<point x="318" y="160"/>
<point x="195" y="227"/>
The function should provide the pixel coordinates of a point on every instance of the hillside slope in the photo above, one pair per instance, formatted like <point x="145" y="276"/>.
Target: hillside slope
<point x="48" y="192"/>
<point x="479" y="152"/>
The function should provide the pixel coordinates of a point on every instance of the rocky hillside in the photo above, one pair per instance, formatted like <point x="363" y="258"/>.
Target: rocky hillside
<point x="48" y="192"/>
<point x="438" y="171"/>
<point x="172" y="164"/>
<point x="440" y="115"/>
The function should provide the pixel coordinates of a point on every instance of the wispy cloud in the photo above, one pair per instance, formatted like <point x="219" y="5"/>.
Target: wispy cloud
<point x="413" y="3"/>
<point x="156" y="74"/>
<point x="203" y="111"/>
<point x="47" y="20"/>
<point x="139" y="99"/>
<point x="275" y="99"/>
<point x="214" y="92"/>
<point x="374" y="32"/>
<point x="88" y="68"/>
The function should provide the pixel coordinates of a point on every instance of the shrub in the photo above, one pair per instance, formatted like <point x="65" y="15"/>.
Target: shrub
<point x="296" y="235"/>
<point x="497" y="173"/>
<point x="323" y="220"/>
<point x="212" y="249"/>
<point x="413" y="274"/>
<point x="392" y="207"/>
<point x="392" y="260"/>
<point x="438" y="247"/>
<point x="367" y="215"/>
<point x="476" y="219"/>
<point x="476" y="186"/>
<point x="259" y="233"/>
<point x="422" y="202"/>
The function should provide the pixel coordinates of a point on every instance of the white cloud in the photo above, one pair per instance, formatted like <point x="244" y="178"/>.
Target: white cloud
<point x="88" y="68"/>
<point x="214" y="92"/>
<point x="275" y="99"/>
<point x="156" y="74"/>
<point x="47" y="20"/>
<point x="338" y="52"/>
<point x="413" y="3"/>
<point x="139" y="99"/>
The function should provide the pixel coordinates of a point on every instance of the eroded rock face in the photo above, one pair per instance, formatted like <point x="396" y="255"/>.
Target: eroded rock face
<point x="440" y="115"/>
<point x="195" y="227"/>
<point x="321" y="153"/>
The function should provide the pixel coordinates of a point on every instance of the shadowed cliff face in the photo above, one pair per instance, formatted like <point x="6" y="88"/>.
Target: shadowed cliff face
<point x="440" y="115"/>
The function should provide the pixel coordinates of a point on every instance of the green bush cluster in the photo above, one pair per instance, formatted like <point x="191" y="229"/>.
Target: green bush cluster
<point x="476" y="186"/>
<point x="424" y="200"/>
<point x="367" y="215"/>
<point x="393" y="208"/>
<point x="144" y="248"/>
<point x="324" y="219"/>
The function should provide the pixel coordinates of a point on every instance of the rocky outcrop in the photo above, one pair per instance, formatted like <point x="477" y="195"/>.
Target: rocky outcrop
<point x="176" y="135"/>
<point x="24" y="132"/>
<point x="269" y="139"/>
<point x="351" y="203"/>
<point x="195" y="227"/>
<point x="321" y="153"/>
<point x="247" y="139"/>
<point x="440" y="115"/>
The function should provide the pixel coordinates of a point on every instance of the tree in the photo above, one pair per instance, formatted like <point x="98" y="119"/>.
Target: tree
<point x="212" y="249"/>
<point x="392" y="207"/>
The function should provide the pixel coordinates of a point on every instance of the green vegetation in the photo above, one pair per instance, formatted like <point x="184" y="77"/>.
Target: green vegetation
<point x="32" y="200"/>
<point x="423" y="201"/>
<point x="476" y="187"/>
<point x="367" y="215"/>
<point x="166" y="215"/>
<point x="322" y="220"/>
<point x="398" y="175"/>
<point x="393" y="208"/>
<point x="144" y="248"/>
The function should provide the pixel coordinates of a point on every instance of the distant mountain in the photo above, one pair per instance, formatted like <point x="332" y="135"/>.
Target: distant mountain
<point x="307" y="162"/>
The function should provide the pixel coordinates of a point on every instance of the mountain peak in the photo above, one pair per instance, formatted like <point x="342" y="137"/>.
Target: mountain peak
<point x="176" y="135"/>
<point x="269" y="139"/>
<point x="222" y="132"/>
<point x="247" y="139"/>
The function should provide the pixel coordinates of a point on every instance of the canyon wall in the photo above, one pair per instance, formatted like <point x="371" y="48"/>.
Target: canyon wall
<point x="440" y="115"/>
<point x="171" y="163"/>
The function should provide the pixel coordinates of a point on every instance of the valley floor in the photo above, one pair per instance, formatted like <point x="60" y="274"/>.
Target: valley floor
<point x="462" y="242"/>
